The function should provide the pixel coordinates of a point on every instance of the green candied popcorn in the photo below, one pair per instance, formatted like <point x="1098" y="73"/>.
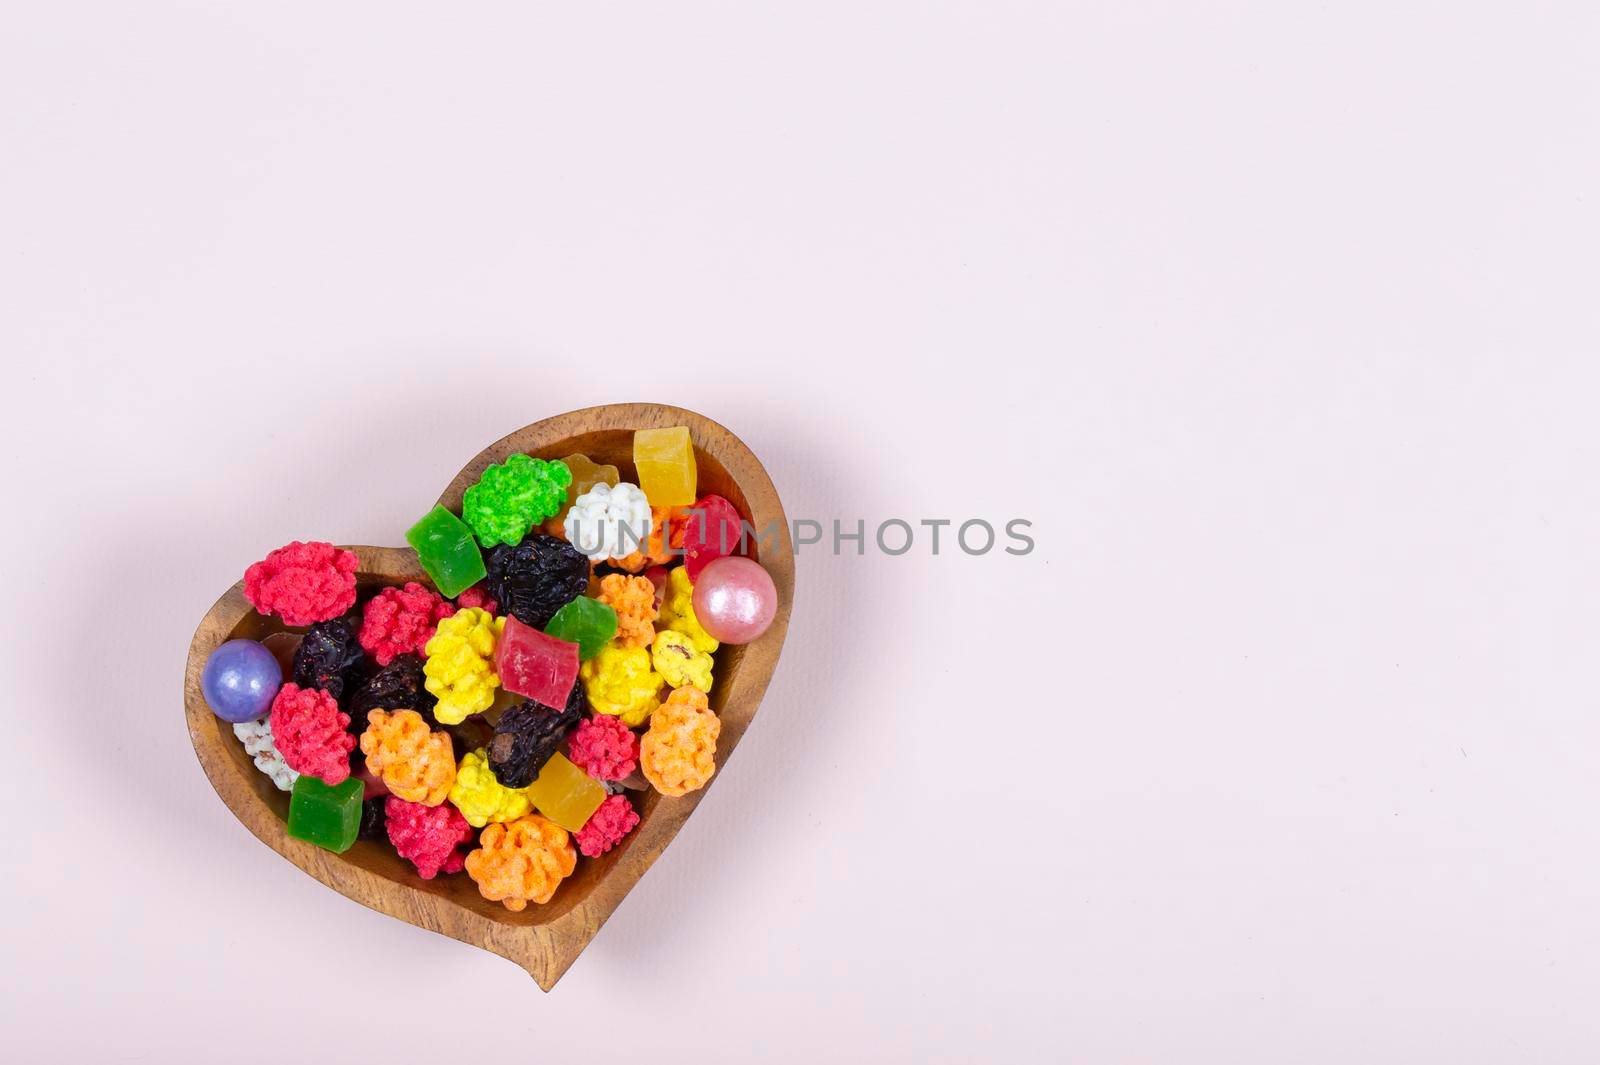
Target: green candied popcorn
<point x="510" y="499"/>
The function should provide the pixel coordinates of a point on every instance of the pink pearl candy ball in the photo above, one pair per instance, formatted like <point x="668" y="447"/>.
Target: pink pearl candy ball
<point x="734" y="599"/>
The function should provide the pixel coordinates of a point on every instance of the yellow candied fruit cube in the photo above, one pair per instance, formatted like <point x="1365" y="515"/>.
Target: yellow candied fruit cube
<point x="665" y="461"/>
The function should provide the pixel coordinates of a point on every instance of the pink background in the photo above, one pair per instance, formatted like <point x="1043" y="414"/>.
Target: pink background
<point x="1278" y="321"/>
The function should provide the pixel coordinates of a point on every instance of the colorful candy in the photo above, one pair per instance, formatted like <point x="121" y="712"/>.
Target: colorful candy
<point x="310" y="733"/>
<point x="634" y="600"/>
<point x="535" y="665"/>
<point x="677" y="612"/>
<point x="586" y="622"/>
<point x="609" y="522"/>
<point x="665" y="461"/>
<point x="303" y="583"/>
<point x="606" y="827"/>
<point x="657" y="550"/>
<point x="460" y="667"/>
<point x="536" y="578"/>
<point x="239" y="680"/>
<point x="512" y="497"/>
<point x="679" y="663"/>
<point x="678" y="754"/>
<point x="565" y="794"/>
<point x="480" y="797"/>
<point x="620" y="682"/>
<point x="400" y="621"/>
<point x="427" y="836"/>
<point x="329" y="816"/>
<point x="257" y="739"/>
<point x="735" y="600"/>
<point x="604" y="747"/>
<point x="413" y="761"/>
<point x="710" y="530"/>
<point x="521" y="862"/>
<point x="544" y="700"/>
<point x="478" y="596"/>
<point x="585" y="475"/>
<point x="447" y="550"/>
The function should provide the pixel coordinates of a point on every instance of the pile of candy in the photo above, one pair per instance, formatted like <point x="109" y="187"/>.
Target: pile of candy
<point x="503" y="721"/>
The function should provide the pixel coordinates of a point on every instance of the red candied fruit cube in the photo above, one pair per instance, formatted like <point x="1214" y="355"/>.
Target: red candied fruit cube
<point x="534" y="665"/>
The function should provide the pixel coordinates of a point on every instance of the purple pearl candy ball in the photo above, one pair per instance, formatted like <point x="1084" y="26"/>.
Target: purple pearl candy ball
<point x="734" y="599"/>
<point x="240" y="679"/>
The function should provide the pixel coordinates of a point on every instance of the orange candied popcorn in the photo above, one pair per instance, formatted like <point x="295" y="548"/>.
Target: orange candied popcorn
<point x="413" y="761"/>
<point x="634" y="600"/>
<point x="655" y="552"/>
<point x="522" y="861"/>
<point x="678" y="754"/>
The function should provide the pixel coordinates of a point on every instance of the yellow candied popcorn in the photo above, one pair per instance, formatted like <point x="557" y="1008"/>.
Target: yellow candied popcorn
<point x="620" y="682"/>
<point x="460" y="667"/>
<point x="677" y="611"/>
<point x="480" y="797"/>
<point x="676" y="659"/>
<point x="679" y="753"/>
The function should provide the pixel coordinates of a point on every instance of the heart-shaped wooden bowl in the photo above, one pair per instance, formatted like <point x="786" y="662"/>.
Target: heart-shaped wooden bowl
<point x="544" y="940"/>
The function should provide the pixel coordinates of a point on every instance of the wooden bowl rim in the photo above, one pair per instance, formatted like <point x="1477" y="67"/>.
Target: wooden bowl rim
<point x="545" y="949"/>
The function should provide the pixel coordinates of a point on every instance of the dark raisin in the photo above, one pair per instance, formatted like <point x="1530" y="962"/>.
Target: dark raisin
<point x="328" y="657"/>
<point x="528" y="734"/>
<point x="536" y="578"/>
<point x="374" y="822"/>
<point x="397" y="686"/>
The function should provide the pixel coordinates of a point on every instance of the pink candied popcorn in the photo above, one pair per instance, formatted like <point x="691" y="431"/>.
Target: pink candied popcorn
<point x="604" y="747"/>
<point x="400" y="621"/>
<point x="478" y="596"/>
<point x="303" y="583"/>
<point x="606" y="826"/>
<point x="310" y="733"/>
<point x="428" y="836"/>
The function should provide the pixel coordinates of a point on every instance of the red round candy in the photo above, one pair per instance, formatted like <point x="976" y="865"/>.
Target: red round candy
<point x="710" y="532"/>
<point x="427" y="836"/>
<point x="309" y="731"/>
<point x="400" y="621"/>
<point x="606" y="826"/>
<point x="303" y="583"/>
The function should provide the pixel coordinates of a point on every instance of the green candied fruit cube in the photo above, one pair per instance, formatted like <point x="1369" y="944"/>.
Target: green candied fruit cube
<point x="446" y="549"/>
<point x="586" y="622"/>
<point x="328" y="817"/>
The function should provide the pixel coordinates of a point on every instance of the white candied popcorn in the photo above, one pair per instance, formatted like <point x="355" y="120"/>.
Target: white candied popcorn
<point x="607" y="522"/>
<point x="257" y="739"/>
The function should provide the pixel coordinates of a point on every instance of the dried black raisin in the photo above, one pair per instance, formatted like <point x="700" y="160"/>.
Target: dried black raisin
<point x="537" y="577"/>
<point x="328" y="657"/>
<point x="397" y="686"/>
<point x="528" y="734"/>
